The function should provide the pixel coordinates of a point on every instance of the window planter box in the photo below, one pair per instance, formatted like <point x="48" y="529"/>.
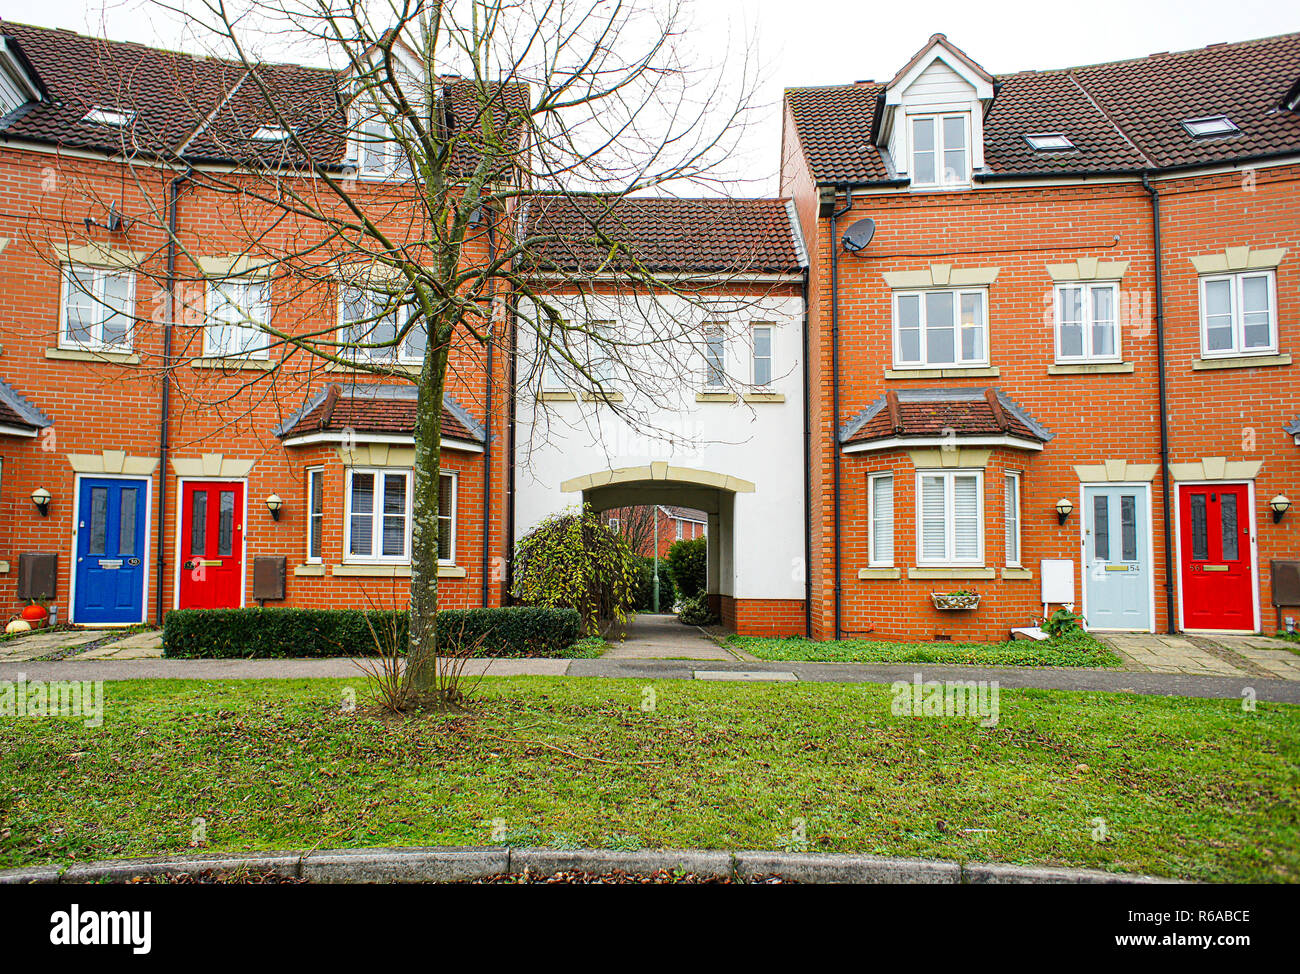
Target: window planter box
<point x="955" y="601"/>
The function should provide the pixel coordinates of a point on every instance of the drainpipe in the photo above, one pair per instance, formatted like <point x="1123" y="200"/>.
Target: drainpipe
<point x="512" y="378"/>
<point x="173" y="204"/>
<point x="835" y="396"/>
<point x="807" y="474"/>
<point x="1166" y="517"/>
<point x="487" y="443"/>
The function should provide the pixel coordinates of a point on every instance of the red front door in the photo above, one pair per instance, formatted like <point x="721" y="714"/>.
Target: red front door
<point x="212" y="545"/>
<point x="1215" y="524"/>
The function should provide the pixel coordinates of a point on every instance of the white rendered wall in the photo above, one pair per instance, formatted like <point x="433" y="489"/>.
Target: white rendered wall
<point x="761" y="442"/>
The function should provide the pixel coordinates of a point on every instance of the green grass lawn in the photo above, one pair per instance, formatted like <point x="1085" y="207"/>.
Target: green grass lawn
<point x="1189" y="788"/>
<point x="1079" y="649"/>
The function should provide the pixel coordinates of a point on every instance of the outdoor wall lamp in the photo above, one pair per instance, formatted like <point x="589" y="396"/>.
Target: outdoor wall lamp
<point x="41" y="498"/>
<point x="1280" y="504"/>
<point x="1063" y="509"/>
<point x="273" y="504"/>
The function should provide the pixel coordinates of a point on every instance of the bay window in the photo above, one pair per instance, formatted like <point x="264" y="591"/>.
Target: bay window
<point x="377" y="516"/>
<point x="98" y="307"/>
<point x="1011" y="518"/>
<point x="315" y="512"/>
<point x="880" y="520"/>
<point x="1087" y="324"/>
<point x="1238" y="314"/>
<point x="950" y="518"/>
<point x="938" y="328"/>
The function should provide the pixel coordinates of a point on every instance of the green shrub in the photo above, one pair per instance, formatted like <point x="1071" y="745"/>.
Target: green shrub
<point x="695" y="612"/>
<point x="1063" y="622"/>
<point x="276" y="633"/>
<point x="573" y="561"/>
<point x="645" y="596"/>
<point x="689" y="561"/>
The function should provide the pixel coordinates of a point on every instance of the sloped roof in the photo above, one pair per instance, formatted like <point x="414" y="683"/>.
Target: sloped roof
<point x="205" y="108"/>
<point x="927" y="413"/>
<point x="17" y="412"/>
<point x="661" y="234"/>
<point x="375" y="408"/>
<point x="1122" y="116"/>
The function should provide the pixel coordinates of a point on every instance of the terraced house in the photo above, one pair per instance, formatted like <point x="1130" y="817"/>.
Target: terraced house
<point x="1009" y="343"/>
<point x="1053" y="318"/>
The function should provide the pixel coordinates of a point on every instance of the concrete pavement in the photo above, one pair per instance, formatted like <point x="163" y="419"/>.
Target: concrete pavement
<point x="662" y="636"/>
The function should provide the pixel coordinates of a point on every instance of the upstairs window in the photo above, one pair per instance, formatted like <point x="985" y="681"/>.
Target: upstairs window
<point x="1087" y="327"/>
<point x="370" y="325"/>
<point x="940" y="150"/>
<point x="601" y="354"/>
<point x="98" y="307"/>
<point x="762" y="355"/>
<point x="238" y="312"/>
<point x="940" y="328"/>
<point x="1238" y="314"/>
<point x="1210" y="126"/>
<point x="378" y="154"/>
<point x="715" y="357"/>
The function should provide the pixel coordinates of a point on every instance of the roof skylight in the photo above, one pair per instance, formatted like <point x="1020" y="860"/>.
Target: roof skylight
<point x="99" y="115"/>
<point x="1048" y="142"/>
<point x="268" y="133"/>
<point x="1209" y="126"/>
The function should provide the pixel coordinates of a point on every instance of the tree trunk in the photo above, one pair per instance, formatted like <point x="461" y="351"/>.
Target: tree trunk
<point x="422" y="647"/>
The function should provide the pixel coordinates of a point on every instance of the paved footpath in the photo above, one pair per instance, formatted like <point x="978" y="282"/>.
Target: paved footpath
<point x="1052" y="678"/>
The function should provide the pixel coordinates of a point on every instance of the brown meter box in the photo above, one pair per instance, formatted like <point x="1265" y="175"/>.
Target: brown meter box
<point x="1286" y="581"/>
<point x="268" y="578"/>
<point x="38" y="575"/>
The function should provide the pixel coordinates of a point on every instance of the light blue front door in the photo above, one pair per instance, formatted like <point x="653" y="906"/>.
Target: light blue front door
<point x="1116" y="558"/>
<point x="111" y="521"/>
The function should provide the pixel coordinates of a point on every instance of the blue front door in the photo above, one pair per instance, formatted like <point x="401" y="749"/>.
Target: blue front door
<point x="1116" y="561"/>
<point x="111" y="520"/>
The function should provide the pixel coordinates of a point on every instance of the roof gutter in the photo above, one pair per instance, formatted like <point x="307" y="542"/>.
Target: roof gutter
<point x="1171" y="618"/>
<point x="1142" y="174"/>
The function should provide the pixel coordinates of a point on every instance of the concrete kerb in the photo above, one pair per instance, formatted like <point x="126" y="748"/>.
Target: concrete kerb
<point x="458" y="863"/>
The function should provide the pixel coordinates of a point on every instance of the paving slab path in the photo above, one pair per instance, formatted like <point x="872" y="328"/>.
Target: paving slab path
<point x="662" y="636"/>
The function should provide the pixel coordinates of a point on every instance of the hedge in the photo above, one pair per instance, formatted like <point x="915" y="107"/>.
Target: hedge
<point x="277" y="633"/>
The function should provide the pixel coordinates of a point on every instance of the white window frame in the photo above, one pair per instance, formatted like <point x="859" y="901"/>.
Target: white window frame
<point x="925" y="363"/>
<point x="754" y="357"/>
<point x="450" y="518"/>
<point x="315" y="522"/>
<point x="872" y="560"/>
<point x="715" y="371"/>
<point x="602" y="364"/>
<point x="98" y="275"/>
<point x="377" y="518"/>
<point x="250" y="324"/>
<point x="681" y="529"/>
<point x="935" y="119"/>
<point x="1011" y="520"/>
<point x="373" y="137"/>
<point x="372" y="356"/>
<point x="1238" y="349"/>
<point x="950" y="541"/>
<point x="1087" y="287"/>
<point x="614" y="525"/>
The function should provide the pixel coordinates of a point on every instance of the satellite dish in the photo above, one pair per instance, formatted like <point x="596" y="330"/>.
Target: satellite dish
<point x="859" y="235"/>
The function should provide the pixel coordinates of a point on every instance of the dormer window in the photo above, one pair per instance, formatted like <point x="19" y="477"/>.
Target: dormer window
<point x="1049" y="142"/>
<point x="1210" y="126"/>
<point x="111" y="117"/>
<point x="940" y="150"/>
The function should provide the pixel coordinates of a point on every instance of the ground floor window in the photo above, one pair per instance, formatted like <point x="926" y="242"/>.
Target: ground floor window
<point x="880" y="519"/>
<point x="950" y="517"/>
<point x="315" y="512"/>
<point x="377" y="519"/>
<point x="1011" y="518"/>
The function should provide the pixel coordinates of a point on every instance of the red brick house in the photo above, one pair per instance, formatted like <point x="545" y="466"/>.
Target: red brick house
<point x="1053" y="315"/>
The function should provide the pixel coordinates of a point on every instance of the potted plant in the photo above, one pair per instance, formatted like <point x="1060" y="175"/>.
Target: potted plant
<point x="35" y="613"/>
<point x="962" y="599"/>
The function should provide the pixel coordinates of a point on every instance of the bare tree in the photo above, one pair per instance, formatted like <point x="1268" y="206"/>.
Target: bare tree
<point x="454" y="166"/>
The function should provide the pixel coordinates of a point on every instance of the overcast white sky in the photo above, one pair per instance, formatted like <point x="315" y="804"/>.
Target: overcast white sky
<point x="811" y="42"/>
